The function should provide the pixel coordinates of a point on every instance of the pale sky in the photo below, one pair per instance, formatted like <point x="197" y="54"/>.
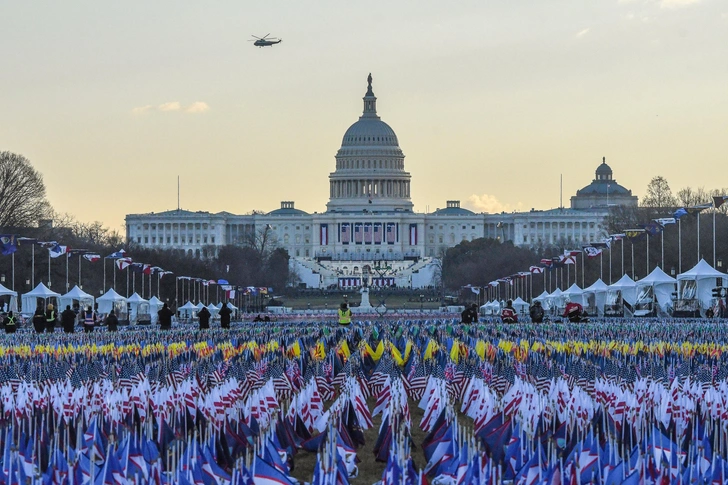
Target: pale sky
<point x="491" y="100"/>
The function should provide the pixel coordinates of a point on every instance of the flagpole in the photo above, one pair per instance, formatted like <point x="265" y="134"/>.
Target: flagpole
<point x="714" y="211"/>
<point x="49" y="268"/>
<point x="127" y="281"/>
<point x="698" y="215"/>
<point x="32" y="264"/>
<point x="610" y="262"/>
<point x="104" y="263"/>
<point x="601" y="265"/>
<point x="632" y="258"/>
<point x="79" y="270"/>
<point x="679" y="246"/>
<point x="622" y="256"/>
<point x="68" y="256"/>
<point x="648" y="253"/>
<point x="13" y="288"/>
<point x="582" y="269"/>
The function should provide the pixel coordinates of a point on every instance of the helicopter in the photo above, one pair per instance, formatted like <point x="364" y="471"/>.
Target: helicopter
<point x="265" y="41"/>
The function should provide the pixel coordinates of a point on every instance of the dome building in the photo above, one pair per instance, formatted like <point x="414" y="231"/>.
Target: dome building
<point x="370" y="171"/>
<point x="370" y="233"/>
<point x="604" y="191"/>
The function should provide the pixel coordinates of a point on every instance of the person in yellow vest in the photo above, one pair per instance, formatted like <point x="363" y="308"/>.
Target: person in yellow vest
<point x="344" y="314"/>
<point x="10" y="323"/>
<point x="50" y="318"/>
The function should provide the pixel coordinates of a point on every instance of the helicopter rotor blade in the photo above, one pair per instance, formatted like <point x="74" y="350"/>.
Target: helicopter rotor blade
<point x="266" y="35"/>
<point x="256" y="37"/>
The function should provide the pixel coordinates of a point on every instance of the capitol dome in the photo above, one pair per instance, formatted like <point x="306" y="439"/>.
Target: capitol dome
<point x="370" y="173"/>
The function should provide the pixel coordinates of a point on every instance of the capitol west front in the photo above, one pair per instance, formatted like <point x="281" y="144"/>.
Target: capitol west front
<point x="370" y="220"/>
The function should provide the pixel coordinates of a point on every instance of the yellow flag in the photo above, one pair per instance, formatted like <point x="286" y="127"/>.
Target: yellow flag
<point x="396" y="355"/>
<point x="407" y="350"/>
<point x="344" y="349"/>
<point x="430" y="350"/>
<point x="455" y="351"/>
<point x="296" y="349"/>
<point x="480" y="349"/>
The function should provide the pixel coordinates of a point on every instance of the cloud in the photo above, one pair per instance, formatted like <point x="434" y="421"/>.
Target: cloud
<point x="197" y="107"/>
<point x="141" y="109"/>
<point x="677" y="3"/>
<point x="582" y="33"/>
<point x="170" y="106"/>
<point x="489" y="203"/>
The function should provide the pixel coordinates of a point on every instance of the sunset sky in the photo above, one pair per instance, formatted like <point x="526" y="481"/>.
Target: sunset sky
<point x="491" y="101"/>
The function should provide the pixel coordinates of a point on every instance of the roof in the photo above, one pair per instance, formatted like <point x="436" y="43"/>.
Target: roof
<point x="604" y="187"/>
<point x="700" y="271"/>
<point x="452" y="211"/>
<point x="287" y="212"/>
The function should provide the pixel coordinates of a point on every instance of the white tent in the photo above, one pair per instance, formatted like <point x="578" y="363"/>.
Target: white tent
<point x="555" y="301"/>
<point x="575" y="294"/>
<point x="76" y="295"/>
<point x="595" y="296"/>
<point x="155" y="304"/>
<point x="40" y="295"/>
<point x="111" y="300"/>
<point x="230" y="306"/>
<point x="654" y="293"/>
<point x="543" y="298"/>
<point x="520" y="306"/>
<point x="200" y="306"/>
<point x="188" y="310"/>
<point x="138" y="309"/>
<point x="212" y="309"/>
<point x="490" y="308"/>
<point x="695" y="287"/>
<point x="13" y="298"/>
<point x="619" y="293"/>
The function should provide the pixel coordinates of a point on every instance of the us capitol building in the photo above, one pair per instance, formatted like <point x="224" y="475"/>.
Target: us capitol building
<point x="370" y="233"/>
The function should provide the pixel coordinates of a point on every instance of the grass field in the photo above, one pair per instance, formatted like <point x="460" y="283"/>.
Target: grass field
<point x="370" y="471"/>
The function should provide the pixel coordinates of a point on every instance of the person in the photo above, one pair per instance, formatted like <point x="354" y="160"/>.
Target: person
<point x="50" y="318"/>
<point x="225" y="313"/>
<point x="258" y="318"/>
<point x="465" y="316"/>
<point x="39" y="321"/>
<point x="344" y="314"/>
<point x="508" y="314"/>
<point x="68" y="319"/>
<point x="474" y="312"/>
<point x="574" y="311"/>
<point x="165" y="317"/>
<point x="536" y="312"/>
<point x="10" y="322"/>
<point x="204" y="316"/>
<point x="112" y="322"/>
<point x="89" y="320"/>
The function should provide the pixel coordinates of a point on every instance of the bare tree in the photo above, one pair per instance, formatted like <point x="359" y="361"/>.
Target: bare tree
<point x="22" y="192"/>
<point x="659" y="194"/>
<point x="689" y="197"/>
<point x="263" y="241"/>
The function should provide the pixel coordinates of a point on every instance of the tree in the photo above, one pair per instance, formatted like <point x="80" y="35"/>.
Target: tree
<point x="688" y="197"/>
<point x="22" y="192"/>
<point x="659" y="194"/>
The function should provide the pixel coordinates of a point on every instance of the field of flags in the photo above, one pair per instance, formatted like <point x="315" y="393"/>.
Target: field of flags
<point x="393" y="401"/>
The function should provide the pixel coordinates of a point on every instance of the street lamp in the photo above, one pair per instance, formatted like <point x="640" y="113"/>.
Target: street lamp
<point x="720" y="263"/>
<point x="672" y="271"/>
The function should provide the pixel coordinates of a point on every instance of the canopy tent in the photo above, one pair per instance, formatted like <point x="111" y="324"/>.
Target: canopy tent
<point x="155" y="304"/>
<point x="543" y="298"/>
<point x="138" y="309"/>
<point x="188" y="310"/>
<point x="520" y="306"/>
<point x="654" y="294"/>
<point x="212" y="309"/>
<point x="490" y="308"/>
<point x="200" y="306"/>
<point x="111" y="300"/>
<point x="230" y="306"/>
<point x="695" y="287"/>
<point x="595" y="296"/>
<point x="575" y="294"/>
<point x="12" y="298"/>
<point x="555" y="300"/>
<point x="76" y="296"/>
<point x="40" y="295"/>
<point x="621" y="296"/>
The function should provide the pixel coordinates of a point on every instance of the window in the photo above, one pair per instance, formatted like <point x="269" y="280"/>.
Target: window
<point x="175" y="239"/>
<point x="168" y="239"/>
<point x="146" y="239"/>
<point x="212" y="239"/>
<point x="204" y="239"/>
<point x="139" y="240"/>
<point x="431" y="227"/>
<point x="465" y="227"/>
<point x="154" y="240"/>
<point x="472" y="227"/>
